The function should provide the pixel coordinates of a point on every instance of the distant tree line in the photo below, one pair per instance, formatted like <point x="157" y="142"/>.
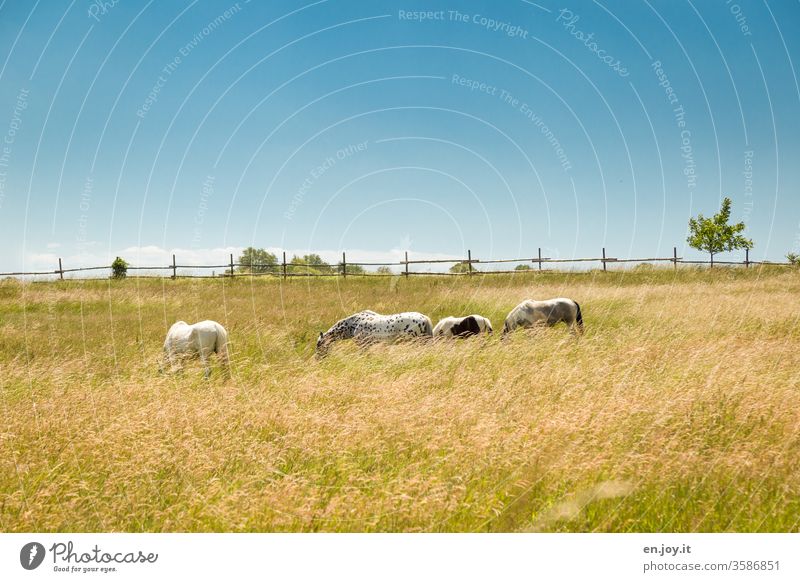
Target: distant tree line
<point x="712" y="235"/>
<point x="253" y="260"/>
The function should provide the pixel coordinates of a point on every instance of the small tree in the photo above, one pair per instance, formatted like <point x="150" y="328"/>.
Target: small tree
<point x="793" y="259"/>
<point x="254" y="260"/>
<point x="522" y="268"/>
<point x="119" y="268"/>
<point x="461" y="268"/>
<point x="714" y="235"/>
<point x="383" y="270"/>
<point x="311" y="264"/>
<point x="317" y="263"/>
<point x="351" y="269"/>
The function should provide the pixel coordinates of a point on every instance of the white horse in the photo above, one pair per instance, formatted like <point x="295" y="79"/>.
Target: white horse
<point x="462" y="326"/>
<point x="366" y="327"/>
<point x="531" y="313"/>
<point x="197" y="340"/>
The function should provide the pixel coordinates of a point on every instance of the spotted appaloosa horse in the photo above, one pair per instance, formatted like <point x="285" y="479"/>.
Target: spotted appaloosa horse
<point x="366" y="327"/>
<point x="531" y="313"/>
<point x="462" y="326"/>
<point x="197" y="340"/>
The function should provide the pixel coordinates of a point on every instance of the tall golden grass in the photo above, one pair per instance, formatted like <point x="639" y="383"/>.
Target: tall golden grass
<point x="676" y="411"/>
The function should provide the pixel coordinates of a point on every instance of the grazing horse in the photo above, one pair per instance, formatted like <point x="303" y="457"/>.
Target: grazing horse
<point x="366" y="327"/>
<point x="462" y="326"/>
<point x="550" y="312"/>
<point x="196" y="340"/>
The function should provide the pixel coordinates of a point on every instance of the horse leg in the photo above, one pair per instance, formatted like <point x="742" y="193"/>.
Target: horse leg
<point x="224" y="360"/>
<point x="174" y="362"/>
<point x="204" y="359"/>
<point x="575" y="327"/>
<point x="364" y="342"/>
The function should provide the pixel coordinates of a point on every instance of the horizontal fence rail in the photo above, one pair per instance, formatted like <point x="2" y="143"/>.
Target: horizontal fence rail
<point x="290" y="269"/>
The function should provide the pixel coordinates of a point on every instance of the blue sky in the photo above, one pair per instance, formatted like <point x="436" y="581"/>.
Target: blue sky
<point x="147" y="128"/>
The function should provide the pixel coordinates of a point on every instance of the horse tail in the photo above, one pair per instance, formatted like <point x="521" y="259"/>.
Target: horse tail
<point x="221" y="344"/>
<point x="578" y="317"/>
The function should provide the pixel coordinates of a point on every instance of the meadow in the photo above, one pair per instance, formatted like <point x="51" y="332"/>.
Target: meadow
<point x="677" y="411"/>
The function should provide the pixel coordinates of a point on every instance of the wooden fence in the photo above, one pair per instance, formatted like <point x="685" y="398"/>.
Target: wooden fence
<point x="287" y="270"/>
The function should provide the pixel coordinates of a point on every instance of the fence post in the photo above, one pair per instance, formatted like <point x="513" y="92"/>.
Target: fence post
<point x="231" y="265"/>
<point x="540" y="258"/>
<point x="406" y="264"/>
<point x="469" y="260"/>
<point x="746" y="258"/>
<point x="675" y="258"/>
<point x="344" y="265"/>
<point x="174" y="268"/>
<point x="60" y="269"/>
<point x="604" y="258"/>
<point x="284" y="264"/>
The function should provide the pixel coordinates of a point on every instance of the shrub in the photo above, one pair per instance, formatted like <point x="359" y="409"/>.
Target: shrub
<point x="462" y="268"/>
<point x="119" y="268"/>
<point x="351" y="269"/>
<point x="311" y="264"/>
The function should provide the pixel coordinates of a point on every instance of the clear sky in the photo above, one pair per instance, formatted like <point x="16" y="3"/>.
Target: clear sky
<point x="148" y="127"/>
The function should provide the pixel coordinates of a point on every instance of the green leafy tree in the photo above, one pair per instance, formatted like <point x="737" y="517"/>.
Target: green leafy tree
<point x="254" y="260"/>
<point x="383" y="270"/>
<point x="351" y="269"/>
<point x="793" y="258"/>
<point x="119" y="268"/>
<point x="462" y="268"/>
<point x="522" y="268"/>
<point x="298" y="266"/>
<point x="317" y="263"/>
<point x="714" y="235"/>
<point x="311" y="264"/>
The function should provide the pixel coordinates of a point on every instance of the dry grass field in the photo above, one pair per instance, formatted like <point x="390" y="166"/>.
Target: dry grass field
<point x="678" y="410"/>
